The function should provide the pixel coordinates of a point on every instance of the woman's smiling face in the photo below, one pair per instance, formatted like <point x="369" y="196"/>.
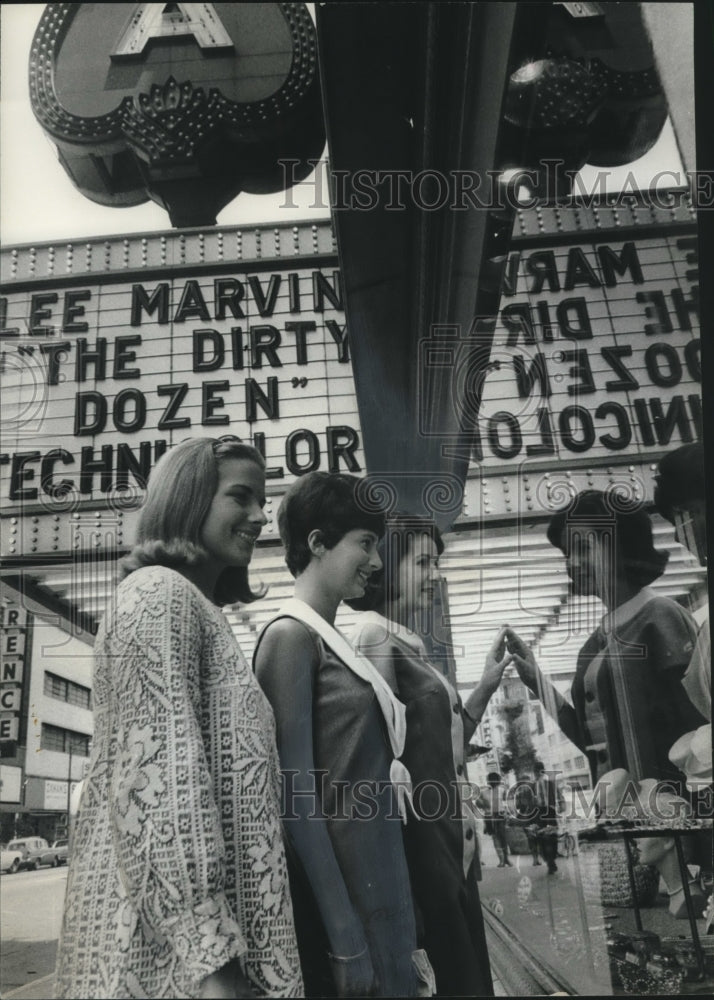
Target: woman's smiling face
<point x="348" y="565"/>
<point x="418" y="575"/>
<point x="235" y="517"/>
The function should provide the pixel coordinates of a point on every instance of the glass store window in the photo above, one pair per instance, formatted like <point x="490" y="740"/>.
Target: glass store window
<point x="562" y="896"/>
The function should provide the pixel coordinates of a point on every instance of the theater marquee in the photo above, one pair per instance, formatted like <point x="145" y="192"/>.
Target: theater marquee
<point x="595" y="369"/>
<point x="101" y="375"/>
<point x="112" y="351"/>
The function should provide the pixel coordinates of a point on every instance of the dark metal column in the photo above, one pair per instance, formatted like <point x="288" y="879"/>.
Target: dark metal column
<point x="413" y="91"/>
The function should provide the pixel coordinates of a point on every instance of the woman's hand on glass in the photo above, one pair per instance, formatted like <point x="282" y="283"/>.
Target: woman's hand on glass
<point x="523" y="658"/>
<point x="497" y="659"/>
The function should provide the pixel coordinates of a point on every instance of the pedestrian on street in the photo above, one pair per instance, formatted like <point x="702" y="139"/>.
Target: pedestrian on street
<point x="547" y="801"/>
<point x="527" y="813"/>
<point x="494" y="806"/>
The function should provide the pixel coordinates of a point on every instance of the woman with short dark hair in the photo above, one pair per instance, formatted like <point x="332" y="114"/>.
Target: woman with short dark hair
<point x="177" y="883"/>
<point x="628" y="704"/>
<point x="340" y="735"/>
<point x="441" y="845"/>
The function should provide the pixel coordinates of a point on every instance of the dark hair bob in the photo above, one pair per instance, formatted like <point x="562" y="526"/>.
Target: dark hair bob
<point x="634" y="548"/>
<point x="329" y="502"/>
<point x="400" y="532"/>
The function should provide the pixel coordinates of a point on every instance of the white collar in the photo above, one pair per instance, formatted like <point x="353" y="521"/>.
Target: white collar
<point x="627" y="611"/>
<point x="392" y="708"/>
<point x="397" y="630"/>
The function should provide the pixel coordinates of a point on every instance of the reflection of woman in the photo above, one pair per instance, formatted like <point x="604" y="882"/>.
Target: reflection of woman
<point x="177" y="883"/>
<point x="629" y="705"/>
<point x="441" y="844"/>
<point x="337" y="718"/>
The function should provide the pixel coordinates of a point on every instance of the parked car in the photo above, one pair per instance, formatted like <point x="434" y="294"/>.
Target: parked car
<point x="10" y="860"/>
<point x="35" y="852"/>
<point x="60" y="849"/>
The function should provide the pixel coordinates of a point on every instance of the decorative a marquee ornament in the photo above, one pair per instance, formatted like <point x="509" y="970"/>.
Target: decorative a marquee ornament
<point x="186" y="104"/>
<point x="595" y="97"/>
<point x="158" y="20"/>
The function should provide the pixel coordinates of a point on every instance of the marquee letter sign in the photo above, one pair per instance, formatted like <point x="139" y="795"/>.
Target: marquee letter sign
<point x="187" y="104"/>
<point x="158" y="20"/>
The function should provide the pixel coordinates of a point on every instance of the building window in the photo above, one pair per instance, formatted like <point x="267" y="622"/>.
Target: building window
<point x="63" y="740"/>
<point x="580" y="762"/>
<point x="64" y="690"/>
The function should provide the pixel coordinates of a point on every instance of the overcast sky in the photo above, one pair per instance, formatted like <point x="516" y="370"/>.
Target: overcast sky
<point x="39" y="203"/>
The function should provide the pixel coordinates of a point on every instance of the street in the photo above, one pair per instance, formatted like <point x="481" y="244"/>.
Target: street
<point x="31" y="911"/>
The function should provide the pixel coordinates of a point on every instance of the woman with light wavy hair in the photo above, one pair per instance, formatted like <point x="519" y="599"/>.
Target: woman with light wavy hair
<point x="177" y="884"/>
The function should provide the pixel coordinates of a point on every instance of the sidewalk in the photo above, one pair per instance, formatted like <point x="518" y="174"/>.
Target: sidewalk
<point x="37" y="989"/>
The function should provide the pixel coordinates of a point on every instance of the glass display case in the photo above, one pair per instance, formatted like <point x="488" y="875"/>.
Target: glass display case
<point x="602" y="923"/>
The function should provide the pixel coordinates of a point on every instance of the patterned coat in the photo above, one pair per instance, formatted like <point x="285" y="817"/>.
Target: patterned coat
<point x="177" y="862"/>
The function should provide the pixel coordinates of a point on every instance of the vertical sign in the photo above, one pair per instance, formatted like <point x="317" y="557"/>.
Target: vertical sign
<point x="13" y="639"/>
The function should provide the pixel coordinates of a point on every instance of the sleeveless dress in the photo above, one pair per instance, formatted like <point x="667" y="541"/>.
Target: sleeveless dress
<point x="350" y="745"/>
<point x="177" y="863"/>
<point x="441" y="847"/>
